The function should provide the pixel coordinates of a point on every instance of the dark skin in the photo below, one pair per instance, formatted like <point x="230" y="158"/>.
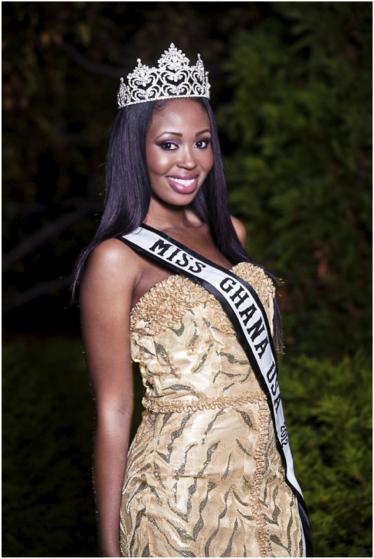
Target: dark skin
<point x="179" y="157"/>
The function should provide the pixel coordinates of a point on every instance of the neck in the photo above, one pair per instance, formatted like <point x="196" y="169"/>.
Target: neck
<point x="164" y="216"/>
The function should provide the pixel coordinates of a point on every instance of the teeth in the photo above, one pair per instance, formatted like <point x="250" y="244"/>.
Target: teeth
<point x="184" y="182"/>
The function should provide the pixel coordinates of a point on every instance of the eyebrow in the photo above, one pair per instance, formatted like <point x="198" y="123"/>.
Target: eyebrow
<point x="180" y="134"/>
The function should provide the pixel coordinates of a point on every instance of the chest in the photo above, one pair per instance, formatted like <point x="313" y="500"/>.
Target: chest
<point x="199" y="240"/>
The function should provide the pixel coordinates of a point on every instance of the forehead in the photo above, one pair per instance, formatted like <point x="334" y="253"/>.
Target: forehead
<point x="181" y="114"/>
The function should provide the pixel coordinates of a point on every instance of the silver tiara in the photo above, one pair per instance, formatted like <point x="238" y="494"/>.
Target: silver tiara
<point x="174" y="77"/>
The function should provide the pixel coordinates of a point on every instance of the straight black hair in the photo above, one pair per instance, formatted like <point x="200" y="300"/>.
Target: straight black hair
<point x="128" y="191"/>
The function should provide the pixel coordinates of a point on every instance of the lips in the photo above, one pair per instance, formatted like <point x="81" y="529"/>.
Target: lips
<point x="183" y="184"/>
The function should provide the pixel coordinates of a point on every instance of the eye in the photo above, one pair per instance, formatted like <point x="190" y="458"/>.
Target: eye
<point x="203" y="143"/>
<point x="168" y="146"/>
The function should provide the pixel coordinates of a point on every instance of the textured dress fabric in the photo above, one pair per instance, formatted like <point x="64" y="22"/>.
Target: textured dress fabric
<point x="204" y="477"/>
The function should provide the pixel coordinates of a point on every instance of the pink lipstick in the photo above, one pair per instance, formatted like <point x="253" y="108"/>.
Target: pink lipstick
<point x="183" y="184"/>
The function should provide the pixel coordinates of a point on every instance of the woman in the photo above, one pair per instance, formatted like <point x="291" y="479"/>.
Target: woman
<point x="167" y="283"/>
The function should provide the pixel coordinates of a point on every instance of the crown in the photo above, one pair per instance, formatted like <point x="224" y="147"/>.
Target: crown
<point x="174" y="77"/>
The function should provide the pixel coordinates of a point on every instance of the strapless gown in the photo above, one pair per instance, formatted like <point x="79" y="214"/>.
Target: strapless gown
<point x="204" y="477"/>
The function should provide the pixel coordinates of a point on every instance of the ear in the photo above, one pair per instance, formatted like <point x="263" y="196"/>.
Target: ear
<point x="240" y="230"/>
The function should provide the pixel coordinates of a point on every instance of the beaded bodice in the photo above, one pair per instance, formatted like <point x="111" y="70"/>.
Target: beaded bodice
<point x="185" y="343"/>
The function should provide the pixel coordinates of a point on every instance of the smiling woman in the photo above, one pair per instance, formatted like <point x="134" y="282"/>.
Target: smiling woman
<point x="178" y="150"/>
<point x="167" y="283"/>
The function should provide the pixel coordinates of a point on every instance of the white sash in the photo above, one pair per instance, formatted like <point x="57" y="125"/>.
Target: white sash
<point x="249" y="319"/>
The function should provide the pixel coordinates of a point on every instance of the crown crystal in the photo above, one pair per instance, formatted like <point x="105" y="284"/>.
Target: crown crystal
<point x="174" y="77"/>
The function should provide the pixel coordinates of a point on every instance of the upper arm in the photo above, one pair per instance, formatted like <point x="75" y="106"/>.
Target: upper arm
<point x="105" y="303"/>
<point x="240" y="230"/>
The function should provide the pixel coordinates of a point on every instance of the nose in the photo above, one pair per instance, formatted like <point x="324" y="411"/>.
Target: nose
<point x="186" y="159"/>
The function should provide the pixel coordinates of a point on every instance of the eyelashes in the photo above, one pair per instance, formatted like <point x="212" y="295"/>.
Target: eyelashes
<point x="205" y="141"/>
<point x="167" y="146"/>
<point x="172" y="146"/>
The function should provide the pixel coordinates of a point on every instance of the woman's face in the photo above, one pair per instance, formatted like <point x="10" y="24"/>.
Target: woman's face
<point x="178" y="151"/>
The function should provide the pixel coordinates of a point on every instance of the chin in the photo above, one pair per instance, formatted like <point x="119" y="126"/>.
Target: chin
<point x="181" y="201"/>
<point x="177" y="199"/>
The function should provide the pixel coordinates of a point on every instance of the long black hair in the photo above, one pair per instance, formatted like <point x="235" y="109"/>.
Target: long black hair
<point x="128" y="190"/>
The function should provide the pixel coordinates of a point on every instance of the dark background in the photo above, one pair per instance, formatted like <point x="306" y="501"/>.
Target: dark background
<point x="291" y="88"/>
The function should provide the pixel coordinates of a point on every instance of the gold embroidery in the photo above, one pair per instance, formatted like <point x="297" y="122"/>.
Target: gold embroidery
<point x="166" y="406"/>
<point x="263" y="536"/>
<point x="168" y="299"/>
<point x="172" y="297"/>
<point x="259" y="280"/>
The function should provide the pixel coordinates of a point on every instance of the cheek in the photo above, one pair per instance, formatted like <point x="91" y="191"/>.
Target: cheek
<point x="207" y="161"/>
<point x="158" y="161"/>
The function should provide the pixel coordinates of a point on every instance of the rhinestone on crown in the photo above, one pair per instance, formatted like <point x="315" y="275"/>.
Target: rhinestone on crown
<point x="174" y="77"/>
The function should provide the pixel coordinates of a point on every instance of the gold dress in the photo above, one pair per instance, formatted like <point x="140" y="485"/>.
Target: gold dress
<point x="204" y="477"/>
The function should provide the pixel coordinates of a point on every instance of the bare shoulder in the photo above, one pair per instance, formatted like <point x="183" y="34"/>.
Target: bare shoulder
<point x="105" y="305"/>
<point x="240" y="229"/>
<point x="111" y="264"/>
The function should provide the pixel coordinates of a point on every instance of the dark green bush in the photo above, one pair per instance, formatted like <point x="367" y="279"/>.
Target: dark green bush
<point x="328" y="408"/>
<point x="48" y="507"/>
<point x="299" y="171"/>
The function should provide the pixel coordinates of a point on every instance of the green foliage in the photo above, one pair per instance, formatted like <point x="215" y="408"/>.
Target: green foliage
<point x="328" y="411"/>
<point x="300" y="164"/>
<point x="48" y="506"/>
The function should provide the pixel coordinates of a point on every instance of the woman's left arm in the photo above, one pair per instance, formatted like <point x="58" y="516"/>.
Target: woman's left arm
<point x="240" y="230"/>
